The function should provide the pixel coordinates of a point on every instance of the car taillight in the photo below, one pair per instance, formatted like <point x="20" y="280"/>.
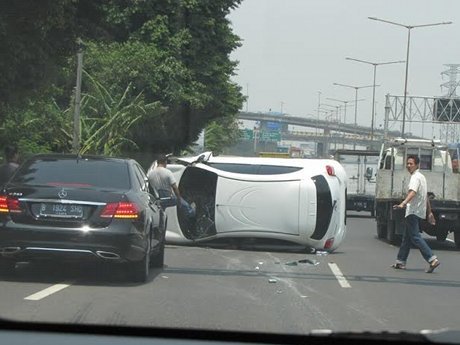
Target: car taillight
<point x="329" y="243"/>
<point x="126" y="210"/>
<point x="330" y="170"/>
<point x="9" y="205"/>
<point x="3" y="204"/>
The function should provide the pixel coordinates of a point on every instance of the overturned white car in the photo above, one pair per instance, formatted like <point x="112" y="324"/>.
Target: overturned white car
<point x="296" y="200"/>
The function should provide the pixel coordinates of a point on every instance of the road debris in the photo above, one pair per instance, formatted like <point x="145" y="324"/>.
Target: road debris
<point x="291" y="263"/>
<point x="309" y="262"/>
<point x="303" y="261"/>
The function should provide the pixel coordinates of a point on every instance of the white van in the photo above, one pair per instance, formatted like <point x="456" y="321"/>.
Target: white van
<point x="297" y="200"/>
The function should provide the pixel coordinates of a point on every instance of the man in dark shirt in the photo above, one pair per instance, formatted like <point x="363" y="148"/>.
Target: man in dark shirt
<point x="8" y="168"/>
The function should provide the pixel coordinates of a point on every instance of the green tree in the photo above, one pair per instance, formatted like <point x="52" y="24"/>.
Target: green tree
<point x="172" y="53"/>
<point x="106" y="120"/>
<point x="38" y="125"/>
<point x="177" y="52"/>
<point x="36" y="38"/>
<point x="221" y="133"/>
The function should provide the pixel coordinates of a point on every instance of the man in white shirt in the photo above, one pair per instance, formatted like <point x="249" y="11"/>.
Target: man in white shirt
<point x="416" y="204"/>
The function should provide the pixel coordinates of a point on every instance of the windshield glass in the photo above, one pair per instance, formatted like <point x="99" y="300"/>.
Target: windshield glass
<point x="244" y="165"/>
<point x="73" y="172"/>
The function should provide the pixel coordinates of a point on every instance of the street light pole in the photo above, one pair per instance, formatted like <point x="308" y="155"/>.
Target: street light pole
<point x="406" y="77"/>
<point x="344" y="113"/>
<point x="329" y="114"/>
<point x="409" y="28"/>
<point x="375" y="64"/>
<point x="356" y="100"/>
<point x="356" y="106"/>
<point x="345" y="106"/>
<point x="337" y="126"/>
<point x="373" y="104"/>
<point x="319" y="105"/>
<point x="330" y="105"/>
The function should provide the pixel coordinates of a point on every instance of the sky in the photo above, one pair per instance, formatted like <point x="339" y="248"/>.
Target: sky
<point x="293" y="49"/>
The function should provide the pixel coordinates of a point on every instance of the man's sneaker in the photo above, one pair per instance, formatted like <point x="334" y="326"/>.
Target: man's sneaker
<point x="433" y="264"/>
<point x="398" y="266"/>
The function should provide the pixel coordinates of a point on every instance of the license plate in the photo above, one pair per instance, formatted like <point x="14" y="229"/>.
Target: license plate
<point x="360" y="204"/>
<point x="61" y="211"/>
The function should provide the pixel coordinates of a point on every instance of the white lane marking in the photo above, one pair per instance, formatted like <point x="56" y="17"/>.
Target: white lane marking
<point x="46" y="292"/>
<point x="339" y="275"/>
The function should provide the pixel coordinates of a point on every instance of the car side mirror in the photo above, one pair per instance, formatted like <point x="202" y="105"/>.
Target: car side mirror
<point x="369" y="173"/>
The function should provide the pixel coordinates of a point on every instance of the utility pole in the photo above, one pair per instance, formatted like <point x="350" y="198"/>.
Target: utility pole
<point x="76" y="117"/>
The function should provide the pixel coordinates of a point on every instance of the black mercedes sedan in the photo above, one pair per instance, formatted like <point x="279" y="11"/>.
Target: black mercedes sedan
<point x="69" y="207"/>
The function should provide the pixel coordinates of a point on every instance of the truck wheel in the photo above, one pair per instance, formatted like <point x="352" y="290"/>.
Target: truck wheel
<point x="457" y="238"/>
<point x="391" y="235"/>
<point x="381" y="230"/>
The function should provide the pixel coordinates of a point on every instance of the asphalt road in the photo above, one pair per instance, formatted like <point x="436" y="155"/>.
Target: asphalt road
<point x="277" y="291"/>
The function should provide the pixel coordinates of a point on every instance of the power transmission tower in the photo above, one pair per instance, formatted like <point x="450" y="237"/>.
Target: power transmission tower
<point x="450" y="132"/>
<point x="452" y="84"/>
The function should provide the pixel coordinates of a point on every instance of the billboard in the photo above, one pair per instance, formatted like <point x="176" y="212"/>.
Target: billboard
<point x="248" y="134"/>
<point x="273" y="126"/>
<point x="446" y="109"/>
